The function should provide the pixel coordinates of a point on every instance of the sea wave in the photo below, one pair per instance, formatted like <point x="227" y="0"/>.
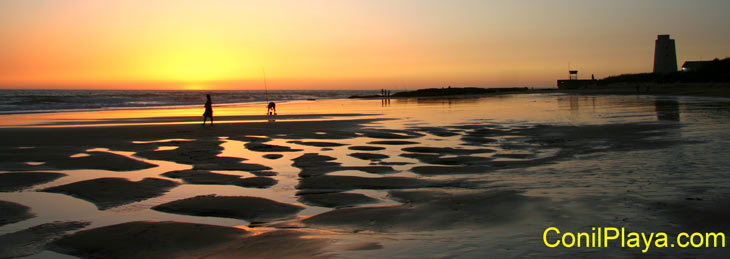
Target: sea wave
<point x="34" y="101"/>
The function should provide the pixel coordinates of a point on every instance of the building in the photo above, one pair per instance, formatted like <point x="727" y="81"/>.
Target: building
<point x="574" y="83"/>
<point x="665" y="55"/>
<point x="694" y="66"/>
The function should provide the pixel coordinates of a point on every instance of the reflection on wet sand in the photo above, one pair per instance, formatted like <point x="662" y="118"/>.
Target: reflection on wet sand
<point x="667" y="109"/>
<point x="416" y="178"/>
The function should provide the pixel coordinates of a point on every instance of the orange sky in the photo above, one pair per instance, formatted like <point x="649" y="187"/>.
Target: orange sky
<point x="367" y="44"/>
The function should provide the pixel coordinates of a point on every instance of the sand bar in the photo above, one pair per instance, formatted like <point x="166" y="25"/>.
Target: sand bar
<point x="107" y="193"/>
<point x="13" y="212"/>
<point x="18" y="181"/>
<point x="240" y="207"/>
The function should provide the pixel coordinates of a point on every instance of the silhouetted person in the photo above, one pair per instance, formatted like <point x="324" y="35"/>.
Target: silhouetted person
<point x="208" y="110"/>
<point x="271" y="109"/>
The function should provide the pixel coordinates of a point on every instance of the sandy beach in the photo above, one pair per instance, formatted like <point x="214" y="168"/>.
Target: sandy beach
<point x="463" y="177"/>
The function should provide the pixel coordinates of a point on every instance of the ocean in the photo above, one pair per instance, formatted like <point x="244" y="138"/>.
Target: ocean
<point x="35" y="101"/>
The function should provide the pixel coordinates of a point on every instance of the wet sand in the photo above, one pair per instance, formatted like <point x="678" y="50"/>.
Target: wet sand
<point x="252" y="209"/>
<point x="186" y="240"/>
<point x="432" y="210"/>
<point x="13" y="212"/>
<point x="107" y="193"/>
<point x="207" y="177"/>
<point x="352" y="186"/>
<point x="34" y="240"/>
<point x="18" y="181"/>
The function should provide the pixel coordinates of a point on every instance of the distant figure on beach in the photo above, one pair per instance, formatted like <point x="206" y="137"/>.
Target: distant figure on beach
<point x="271" y="108"/>
<point x="208" y="110"/>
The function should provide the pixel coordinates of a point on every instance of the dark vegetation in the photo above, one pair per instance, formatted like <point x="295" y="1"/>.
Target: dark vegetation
<point x="450" y="91"/>
<point x="457" y="91"/>
<point x="715" y="71"/>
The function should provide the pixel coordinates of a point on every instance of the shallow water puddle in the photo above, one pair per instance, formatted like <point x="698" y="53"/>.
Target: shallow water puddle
<point x="35" y="163"/>
<point x="54" y="207"/>
<point x="166" y="148"/>
<point x="288" y="176"/>
<point x="79" y="155"/>
<point x="161" y="141"/>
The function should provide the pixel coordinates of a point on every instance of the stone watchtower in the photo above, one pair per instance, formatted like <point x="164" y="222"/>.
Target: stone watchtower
<point x="665" y="55"/>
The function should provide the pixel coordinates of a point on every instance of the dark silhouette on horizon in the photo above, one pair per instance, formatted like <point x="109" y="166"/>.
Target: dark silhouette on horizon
<point x="693" y="73"/>
<point x="574" y="83"/>
<point x="208" y="110"/>
<point x="457" y="91"/>
<point x="271" y="108"/>
<point x="665" y="55"/>
<point x="384" y="92"/>
<point x="713" y="71"/>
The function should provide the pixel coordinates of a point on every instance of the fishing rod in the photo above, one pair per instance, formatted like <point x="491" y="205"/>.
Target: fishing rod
<point x="266" y="87"/>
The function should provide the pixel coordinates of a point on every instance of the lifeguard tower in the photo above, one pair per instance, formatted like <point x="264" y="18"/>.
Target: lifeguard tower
<point x="573" y="75"/>
<point x="574" y="83"/>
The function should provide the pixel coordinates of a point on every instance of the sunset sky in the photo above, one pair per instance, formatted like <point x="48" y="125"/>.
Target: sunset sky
<point x="369" y="44"/>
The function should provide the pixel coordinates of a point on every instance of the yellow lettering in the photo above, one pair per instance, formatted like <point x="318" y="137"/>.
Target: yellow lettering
<point x="572" y="239"/>
<point x="714" y="237"/>
<point x="633" y="240"/>
<point x="593" y="237"/>
<point x="679" y="239"/>
<point x="692" y="239"/>
<point x="647" y="242"/>
<point x="544" y="237"/>
<point x="587" y="239"/>
<point x="606" y="237"/>
<point x="661" y="240"/>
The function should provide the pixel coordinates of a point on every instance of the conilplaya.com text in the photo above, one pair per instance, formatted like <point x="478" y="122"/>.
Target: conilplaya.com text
<point x="605" y="236"/>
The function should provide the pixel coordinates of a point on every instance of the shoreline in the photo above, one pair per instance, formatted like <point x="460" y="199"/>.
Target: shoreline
<point x="675" y="89"/>
<point x="33" y="101"/>
<point x="189" y="120"/>
<point x="301" y="110"/>
<point x="361" y="184"/>
<point x="721" y="90"/>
